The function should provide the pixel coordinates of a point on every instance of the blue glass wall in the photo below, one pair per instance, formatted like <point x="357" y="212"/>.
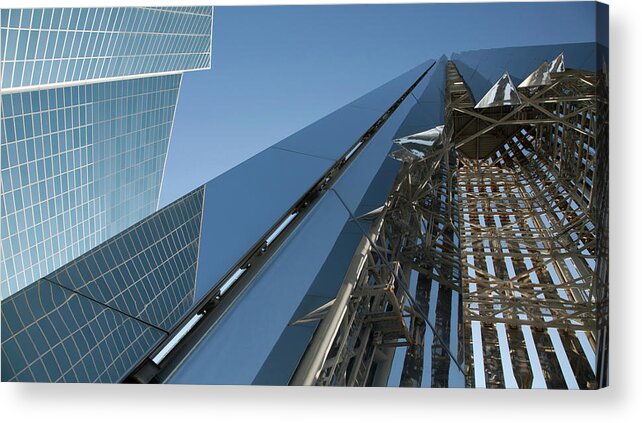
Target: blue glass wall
<point x="95" y="318"/>
<point x="79" y="164"/>
<point x="147" y="271"/>
<point x="51" y="334"/>
<point x="234" y="350"/>
<point x="48" y="46"/>
<point x="255" y="334"/>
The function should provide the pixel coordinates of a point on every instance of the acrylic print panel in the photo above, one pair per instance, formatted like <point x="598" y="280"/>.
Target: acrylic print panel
<point x="440" y="220"/>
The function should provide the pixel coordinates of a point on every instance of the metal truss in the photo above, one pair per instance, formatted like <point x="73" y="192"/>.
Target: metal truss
<point x="378" y="309"/>
<point x="368" y="315"/>
<point x="529" y="232"/>
<point x="600" y="209"/>
<point x="496" y="232"/>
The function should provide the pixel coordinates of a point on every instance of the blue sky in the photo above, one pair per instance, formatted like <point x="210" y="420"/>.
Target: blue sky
<point x="276" y="69"/>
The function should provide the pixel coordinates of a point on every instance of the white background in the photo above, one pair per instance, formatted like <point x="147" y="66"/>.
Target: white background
<point x="623" y="400"/>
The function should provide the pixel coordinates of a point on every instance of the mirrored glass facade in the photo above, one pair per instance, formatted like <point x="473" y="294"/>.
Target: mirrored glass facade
<point x="48" y="46"/>
<point x="79" y="164"/>
<point x="147" y="271"/>
<point x="93" y="319"/>
<point x="88" y="97"/>
<point x="51" y="334"/>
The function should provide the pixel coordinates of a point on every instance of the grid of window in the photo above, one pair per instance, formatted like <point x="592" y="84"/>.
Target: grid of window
<point x="47" y="46"/>
<point x="51" y="334"/>
<point x="149" y="270"/>
<point x="79" y="164"/>
<point x="96" y="317"/>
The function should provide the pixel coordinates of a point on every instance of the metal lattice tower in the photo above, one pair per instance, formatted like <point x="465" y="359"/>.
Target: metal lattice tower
<point x="497" y="225"/>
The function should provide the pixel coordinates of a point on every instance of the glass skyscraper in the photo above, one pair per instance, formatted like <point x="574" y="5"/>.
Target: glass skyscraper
<point x="88" y="101"/>
<point x="50" y="46"/>
<point x="87" y="322"/>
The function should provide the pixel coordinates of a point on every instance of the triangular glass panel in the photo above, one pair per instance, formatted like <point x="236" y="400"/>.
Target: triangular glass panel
<point x="540" y="76"/>
<point x="557" y="65"/>
<point x="403" y="155"/>
<point x="503" y="93"/>
<point x="417" y="146"/>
